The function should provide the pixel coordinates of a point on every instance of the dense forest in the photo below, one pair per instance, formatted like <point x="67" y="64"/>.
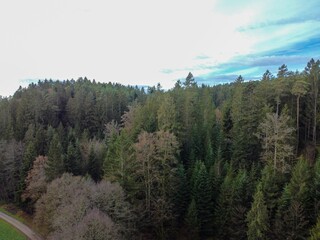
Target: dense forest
<point x="93" y="160"/>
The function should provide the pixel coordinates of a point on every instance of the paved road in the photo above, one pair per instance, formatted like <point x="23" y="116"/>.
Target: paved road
<point x="23" y="228"/>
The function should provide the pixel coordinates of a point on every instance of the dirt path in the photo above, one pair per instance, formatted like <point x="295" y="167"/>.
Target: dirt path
<point x="23" y="228"/>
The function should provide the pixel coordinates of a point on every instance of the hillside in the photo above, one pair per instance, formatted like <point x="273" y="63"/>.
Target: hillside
<point x="107" y="161"/>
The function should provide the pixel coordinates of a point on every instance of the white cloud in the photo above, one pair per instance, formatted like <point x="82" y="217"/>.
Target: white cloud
<point x="126" y="41"/>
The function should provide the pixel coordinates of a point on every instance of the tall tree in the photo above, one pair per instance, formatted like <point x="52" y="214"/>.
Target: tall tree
<point x="257" y="218"/>
<point x="36" y="180"/>
<point x="313" y="71"/>
<point x="202" y="194"/>
<point x="315" y="231"/>
<point x="190" y="81"/>
<point x="55" y="164"/>
<point x="299" y="89"/>
<point x="191" y="221"/>
<point x="267" y="75"/>
<point x="94" y="168"/>
<point x="295" y="205"/>
<point x="276" y="135"/>
<point x="156" y="159"/>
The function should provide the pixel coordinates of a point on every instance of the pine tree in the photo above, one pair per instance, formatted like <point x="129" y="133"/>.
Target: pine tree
<point x="299" y="89"/>
<point x="272" y="184"/>
<point x="191" y="221"/>
<point x="94" y="166"/>
<point x="55" y="164"/>
<point x="181" y="198"/>
<point x="316" y="187"/>
<point x="224" y="201"/>
<point x="315" y="231"/>
<point x="204" y="201"/>
<point x="257" y="218"/>
<point x="295" y="205"/>
<point x="28" y="159"/>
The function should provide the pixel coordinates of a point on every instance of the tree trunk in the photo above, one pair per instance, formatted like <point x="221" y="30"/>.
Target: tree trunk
<point x="314" y="139"/>
<point x="298" y="116"/>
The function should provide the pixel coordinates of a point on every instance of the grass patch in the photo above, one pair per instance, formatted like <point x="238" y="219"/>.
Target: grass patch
<point x="12" y="212"/>
<point x="18" y="214"/>
<point x="9" y="232"/>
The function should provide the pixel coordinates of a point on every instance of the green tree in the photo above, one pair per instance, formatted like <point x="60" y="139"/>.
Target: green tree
<point x="316" y="184"/>
<point x="272" y="183"/>
<point x="73" y="159"/>
<point x="299" y="89"/>
<point x="267" y="76"/>
<point x="315" y="231"/>
<point x="191" y="221"/>
<point x="202" y="194"/>
<point x="166" y="114"/>
<point x="313" y="72"/>
<point x="257" y="218"/>
<point x="181" y="198"/>
<point x="295" y="205"/>
<point x="190" y="81"/>
<point x="55" y="164"/>
<point x="94" y="168"/>
<point x="28" y="159"/>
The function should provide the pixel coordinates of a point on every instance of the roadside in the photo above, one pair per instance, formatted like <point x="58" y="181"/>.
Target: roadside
<point x="20" y="226"/>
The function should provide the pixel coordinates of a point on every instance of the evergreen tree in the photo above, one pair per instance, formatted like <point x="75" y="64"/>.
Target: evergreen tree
<point x="190" y="81"/>
<point x="94" y="168"/>
<point x="295" y="205"/>
<point x="181" y="198"/>
<point x="222" y="208"/>
<point x="28" y="159"/>
<point x="272" y="183"/>
<point x="316" y="187"/>
<point x="55" y="164"/>
<point x="257" y="218"/>
<point x="191" y="221"/>
<point x="204" y="201"/>
<point x="299" y="89"/>
<point x="315" y="231"/>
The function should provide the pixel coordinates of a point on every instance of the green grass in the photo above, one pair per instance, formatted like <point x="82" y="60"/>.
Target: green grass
<point x="3" y="209"/>
<point x="8" y="232"/>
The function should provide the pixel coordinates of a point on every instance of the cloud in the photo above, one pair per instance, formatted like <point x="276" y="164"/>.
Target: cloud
<point x="280" y="22"/>
<point x="252" y="66"/>
<point x="144" y="42"/>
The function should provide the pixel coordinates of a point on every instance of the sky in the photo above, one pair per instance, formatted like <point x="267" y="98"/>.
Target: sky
<point x="143" y="42"/>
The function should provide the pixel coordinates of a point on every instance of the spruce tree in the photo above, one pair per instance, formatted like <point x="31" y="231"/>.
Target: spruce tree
<point x="191" y="221"/>
<point x="204" y="202"/>
<point x="181" y="198"/>
<point x="257" y="218"/>
<point x="295" y="206"/>
<point x="94" y="166"/>
<point x="55" y="164"/>
<point x="315" y="231"/>
<point x="316" y="187"/>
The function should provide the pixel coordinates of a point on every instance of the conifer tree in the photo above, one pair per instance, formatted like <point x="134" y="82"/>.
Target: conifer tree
<point x="191" y="221"/>
<point x="295" y="205"/>
<point x="204" y="201"/>
<point x="257" y="218"/>
<point x="94" y="168"/>
<point x="316" y="187"/>
<point x="55" y="164"/>
<point x="315" y="231"/>
<point x="181" y="198"/>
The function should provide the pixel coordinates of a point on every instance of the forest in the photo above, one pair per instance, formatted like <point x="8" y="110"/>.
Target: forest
<point x="91" y="160"/>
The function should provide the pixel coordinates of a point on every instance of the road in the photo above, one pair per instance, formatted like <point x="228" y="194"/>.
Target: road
<point x="18" y="225"/>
